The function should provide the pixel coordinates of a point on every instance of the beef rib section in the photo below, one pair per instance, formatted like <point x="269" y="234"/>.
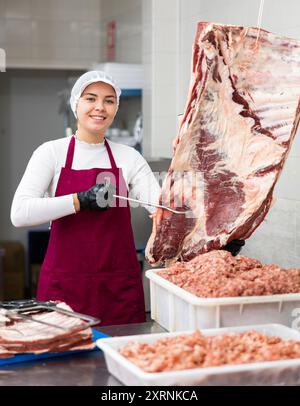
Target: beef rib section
<point x="240" y="119"/>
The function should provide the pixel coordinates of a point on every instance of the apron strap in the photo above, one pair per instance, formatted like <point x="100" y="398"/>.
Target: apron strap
<point x="110" y="155"/>
<point x="70" y="154"/>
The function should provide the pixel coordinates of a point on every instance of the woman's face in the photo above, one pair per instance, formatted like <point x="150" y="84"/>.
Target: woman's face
<point x="96" y="108"/>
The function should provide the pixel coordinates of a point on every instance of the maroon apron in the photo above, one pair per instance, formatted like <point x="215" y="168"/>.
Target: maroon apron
<point x="91" y="262"/>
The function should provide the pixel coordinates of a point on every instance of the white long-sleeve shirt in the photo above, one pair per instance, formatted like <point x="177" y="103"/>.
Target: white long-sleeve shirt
<point x="35" y="203"/>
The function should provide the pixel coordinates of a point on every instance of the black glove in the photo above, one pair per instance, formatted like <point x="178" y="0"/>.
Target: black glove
<point x="98" y="197"/>
<point x="234" y="246"/>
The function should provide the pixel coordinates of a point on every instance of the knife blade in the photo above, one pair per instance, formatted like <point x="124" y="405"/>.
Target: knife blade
<point x="159" y="206"/>
<point x="149" y="204"/>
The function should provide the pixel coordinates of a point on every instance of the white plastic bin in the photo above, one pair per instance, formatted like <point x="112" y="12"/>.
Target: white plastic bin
<point x="176" y="309"/>
<point x="285" y="372"/>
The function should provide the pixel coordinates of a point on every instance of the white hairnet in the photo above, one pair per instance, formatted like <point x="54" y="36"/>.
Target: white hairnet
<point x="86" y="79"/>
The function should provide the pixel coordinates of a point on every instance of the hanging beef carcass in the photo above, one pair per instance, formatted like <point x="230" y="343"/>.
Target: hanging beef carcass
<point x="240" y="119"/>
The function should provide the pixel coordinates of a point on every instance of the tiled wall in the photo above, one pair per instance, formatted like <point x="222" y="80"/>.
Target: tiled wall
<point x="68" y="34"/>
<point x="51" y="34"/>
<point x="169" y="39"/>
<point x="161" y="68"/>
<point x="128" y="17"/>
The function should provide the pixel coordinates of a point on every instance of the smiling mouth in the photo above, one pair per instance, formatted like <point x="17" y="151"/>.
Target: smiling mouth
<point x="98" y="118"/>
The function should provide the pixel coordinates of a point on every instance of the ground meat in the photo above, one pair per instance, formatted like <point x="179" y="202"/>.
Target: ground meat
<point x="219" y="274"/>
<point x="198" y="351"/>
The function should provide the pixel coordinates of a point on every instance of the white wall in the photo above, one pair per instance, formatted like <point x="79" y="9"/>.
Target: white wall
<point x="128" y="17"/>
<point x="161" y="70"/>
<point x="169" y="30"/>
<point x="68" y="34"/>
<point x="58" y="34"/>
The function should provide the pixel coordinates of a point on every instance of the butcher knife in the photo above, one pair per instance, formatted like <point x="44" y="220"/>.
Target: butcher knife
<point x="159" y="206"/>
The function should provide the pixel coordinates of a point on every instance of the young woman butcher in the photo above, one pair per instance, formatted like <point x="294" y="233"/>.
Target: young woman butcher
<point x="91" y="262"/>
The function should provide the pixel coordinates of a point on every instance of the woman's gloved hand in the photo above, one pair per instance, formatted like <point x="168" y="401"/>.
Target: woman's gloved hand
<point x="234" y="246"/>
<point x="98" y="197"/>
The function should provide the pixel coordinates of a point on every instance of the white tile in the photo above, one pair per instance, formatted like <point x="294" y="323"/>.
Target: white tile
<point x="85" y="34"/>
<point x="289" y="32"/>
<point x="165" y="10"/>
<point x="165" y="37"/>
<point x="42" y="10"/>
<point x="62" y="36"/>
<point x="147" y="102"/>
<point x="227" y="12"/>
<point x="259" y="248"/>
<point x="187" y="36"/>
<point x="147" y="12"/>
<point x="147" y="138"/>
<point x="164" y="68"/>
<point x="147" y="41"/>
<point x="2" y="9"/>
<point x="2" y="31"/>
<point x="42" y="32"/>
<point x="147" y="77"/>
<point x="128" y="17"/>
<point x="98" y="37"/>
<point x="192" y="22"/>
<point x="163" y="132"/>
<point x="129" y="55"/>
<point x="18" y="32"/>
<point x="270" y="249"/>
<point x="165" y="103"/>
<point x="91" y="10"/>
<point x="57" y="10"/>
<point x="283" y="255"/>
<point x="288" y="186"/>
<point x="192" y="8"/>
<point x="131" y="43"/>
<point x="126" y="29"/>
<point x="18" y="50"/>
<point x="280" y="14"/>
<point x="65" y="53"/>
<point x="243" y="12"/>
<point x="281" y="219"/>
<point x="42" y="52"/>
<point x="112" y="9"/>
<point x="135" y="4"/>
<point x="185" y="66"/>
<point x="295" y="150"/>
<point x="17" y="9"/>
<point x="105" y="5"/>
<point x="274" y="241"/>
<point x="102" y="54"/>
<point x="91" y="55"/>
<point x="131" y="15"/>
<point x="147" y="59"/>
<point x="56" y="33"/>
<point x="62" y="56"/>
